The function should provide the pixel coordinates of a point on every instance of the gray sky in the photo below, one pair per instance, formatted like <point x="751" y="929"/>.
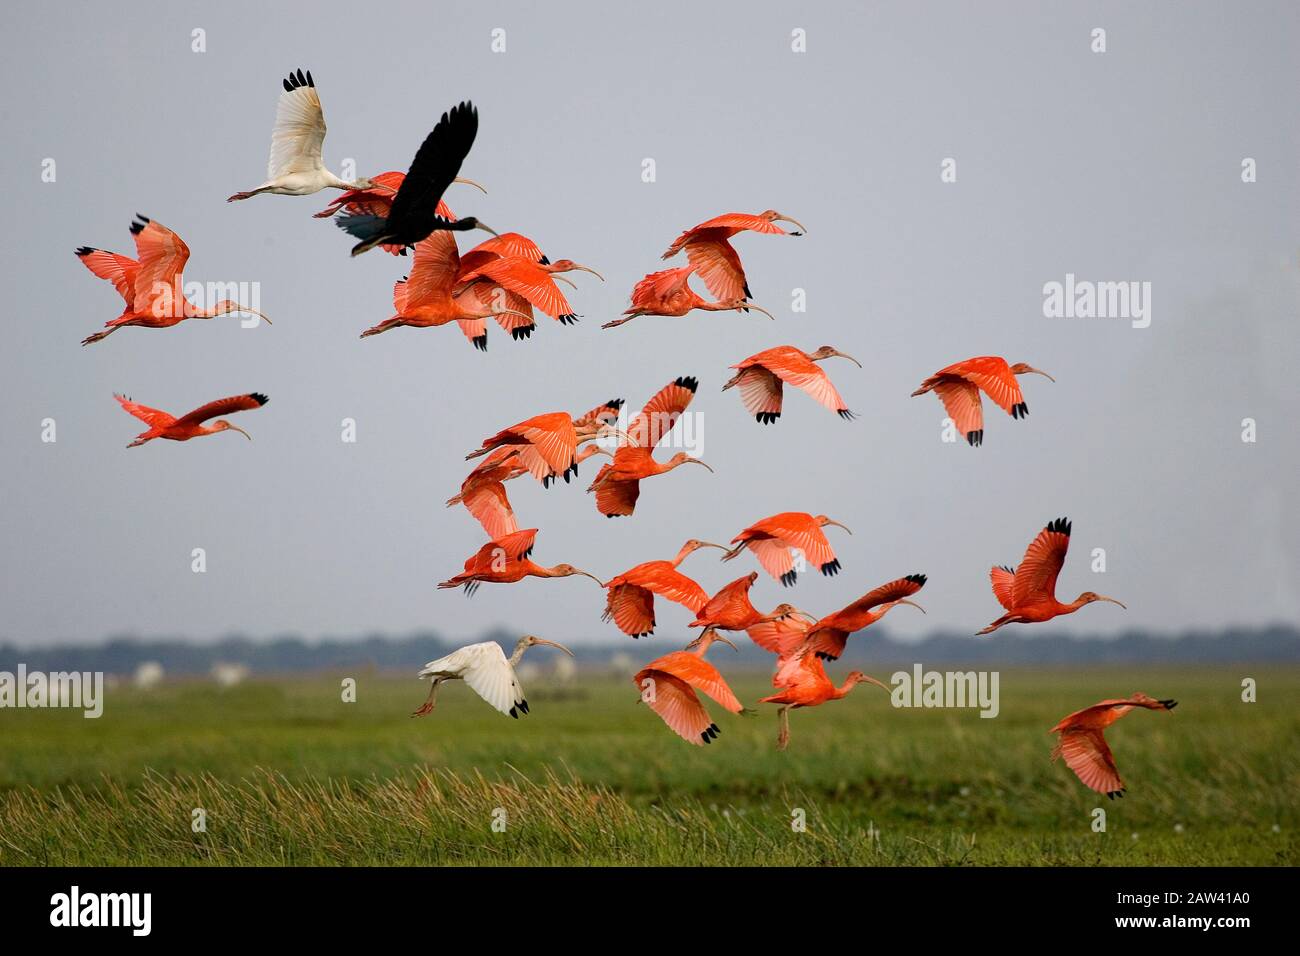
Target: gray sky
<point x="1117" y="166"/>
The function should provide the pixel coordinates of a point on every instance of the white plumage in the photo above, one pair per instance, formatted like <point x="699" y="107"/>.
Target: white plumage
<point x="486" y="669"/>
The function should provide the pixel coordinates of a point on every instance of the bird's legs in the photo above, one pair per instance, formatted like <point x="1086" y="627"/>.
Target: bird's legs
<point x="617" y="322"/>
<point x="248" y="195"/>
<point x="99" y="336"/>
<point x="427" y="706"/>
<point x="783" y="737"/>
<point x="384" y="326"/>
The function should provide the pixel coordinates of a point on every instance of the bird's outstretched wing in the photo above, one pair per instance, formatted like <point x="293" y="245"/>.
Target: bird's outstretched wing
<point x="677" y="705"/>
<point x="488" y="503"/>
<point x="152" y="417"/>
<point x="492" y="678"/>
<point x="1086" y="753"/>
<point x="436" y="164"/>
<point x="717" y="263"/>
<point x="524" y="277"/>
<point x="162" y="259"/>
<point x="661" y="413"/>
<point x="961" y="400"/>
<point x="433" y="272"/>
<point x="1002" y="578"/>
<point x="223" y="406"/>
<point x="117" y="269"/>
<point x="793" y="368"/>
<point x="1035" y="578"/>
<point x="299" y="129"/>
<point x="760" y="391"/>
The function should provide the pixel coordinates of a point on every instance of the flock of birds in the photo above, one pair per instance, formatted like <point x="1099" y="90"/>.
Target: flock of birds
<point x="505" y="279"/>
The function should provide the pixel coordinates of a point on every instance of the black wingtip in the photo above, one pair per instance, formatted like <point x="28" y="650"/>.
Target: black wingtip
<point x="846" y="414"/>
<point x="975" y="438"/>
<point x="1020" y="411"/>
<point x="85" y="250"/>
<point x="688" y="382"/>
<point x="522" y="332"/>
<point x="480" y="342"/>
<point x="567" y="319"/>
<point x="831" y="568"/>
<point x="138" y="227"/>
<point x="1169" y="704"/>
<point x="259" y="397"/>
<point x="918" y="579"/>
<point x="1060" y="526"/>
<point x="614" y="403"/>
<point x="767" y="418"/>
<point x="789" y="578"/>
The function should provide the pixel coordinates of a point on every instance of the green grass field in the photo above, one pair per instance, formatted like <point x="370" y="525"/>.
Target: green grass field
<point x="288" y="774"/>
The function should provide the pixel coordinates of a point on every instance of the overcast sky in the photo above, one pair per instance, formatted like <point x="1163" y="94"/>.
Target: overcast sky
<point x="1122" y="165"/>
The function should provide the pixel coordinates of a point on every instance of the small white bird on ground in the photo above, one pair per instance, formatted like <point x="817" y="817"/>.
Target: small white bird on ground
<point x="485" y="668"/>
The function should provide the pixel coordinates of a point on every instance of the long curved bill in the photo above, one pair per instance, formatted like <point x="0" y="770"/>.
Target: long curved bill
<point x="805" y="615"/>
<point x="567" y="281"/>
<point x="850" y="358"/>
<point x="871" y="680"/>
<point x="253" y="312"/>
<point x="696" y="461"/>
<point x="710" y="544"/>
<point x="1102" y="597"/>
<point x="541" y="640"/>
<point x="756" y="308"/>
<point x="578" y="268"/>
<point x="1039" y="371"/>
<point x="486" y="228"/>
<point x="236" y="428"/>
<point x="469" y="182"/>
<point x="802" y="228"/>
<point x="911" y="604"/>
<point x="838" y="525"/>
<point x="592" y="576"/>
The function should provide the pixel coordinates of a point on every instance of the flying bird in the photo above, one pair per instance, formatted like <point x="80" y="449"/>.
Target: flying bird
<point x="487" y="670"/>
<point x="731" y="610"/>
<point x="806" y="685"/>
<point x="1029" y="591"/>
<point x="826" y="638"/>
<point x="163" y="425"/>
<point x="618" y="484"/>
<point x="547" y="445"/>
<point x="152" y="285"/>
<point x="377" y="200"/>
<point x="774" y="541"/>
<point x="1082" y="744"/>
<point x="670" y="293"/>
<point x="712" y="256"/>
<point x="295" y="167"/>
<point x="414" y="212"/>
<point x="630" y="603"/>
<point x="483" y="491"/>
<point x="761" y="379"/>
<point x="506" y="561"/>
<point x="958" y="387"/>
<point x="668" y="686"/>
<point x="428" y="297"/>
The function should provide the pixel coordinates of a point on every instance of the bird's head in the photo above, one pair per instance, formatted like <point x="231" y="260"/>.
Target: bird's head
<point x="771" y="215"/>
<point x="1021" y="368"/>
<point x="469" y="222"/>
<point x="823" y="521"/>
<point x="705" y="640"/>
<point x="828" y="351"/>
<point x="681" y="458"/>
<point x="568" y="265"/>
<point x="1088" y="597"/>
<point x="226" y="306"/>
<point x="744" y="304"/>
<point x="695" y="544"/>
<point x="568" y="571"/>
<point x="782" y="611"/>
<point x="532" y="640"/>
<point x="857" y="677"/>
<point x="221" y="425"/>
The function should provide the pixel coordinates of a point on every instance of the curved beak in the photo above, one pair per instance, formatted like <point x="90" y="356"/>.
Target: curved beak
<point x="805" y="615"/>
<point x="486" y="228"/>
<point x="803" y="230"/>
<point x="578" y="268"/>
<point x="236" y="428"/>
<point x="469" y="182"/>
<point x="1039" y="371"/>
<point x="719" y="637"/>
<point x="850" y="358"/>
<point x="512" y="312"/>
<point x="696" y="461"/>
<point x="756" y="308"/>
<point x="540" y="640"/>
<point x="867" y="678"/>
<point x="838" y="525"/>
<point x="710" y="544"/>
<point x="555" y="276"/>
<point x="1102" y="597"/>
<point x="592" y="576"/>
<point x="911" y="604"/>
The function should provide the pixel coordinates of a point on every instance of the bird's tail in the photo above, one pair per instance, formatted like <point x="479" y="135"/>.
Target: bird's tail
<point x="735" y="380"/>
<point x="371" y="230"/>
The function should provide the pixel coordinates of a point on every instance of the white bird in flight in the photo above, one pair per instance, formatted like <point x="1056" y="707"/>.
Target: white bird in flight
<point x="485" y="668"/>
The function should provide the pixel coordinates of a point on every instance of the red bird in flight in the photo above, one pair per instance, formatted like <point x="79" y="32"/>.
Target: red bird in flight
<point x="163" y="425"/>
<point x="1029" y="591"/>
<point x="1084" y="748"/>
<point x="958" y="387"/>
<point x="761" y="379"/>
